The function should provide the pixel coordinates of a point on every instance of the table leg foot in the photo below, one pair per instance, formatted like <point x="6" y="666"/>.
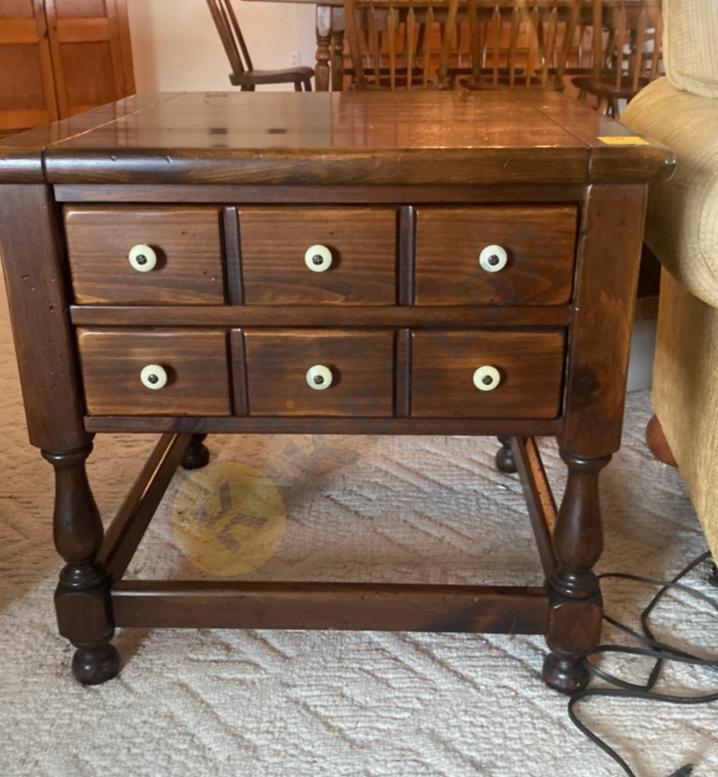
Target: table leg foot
<point x="565" y="674"/>
<point x="96" y="664"/>
<point x="197" y="454"/>
<point x="505" y="457"/>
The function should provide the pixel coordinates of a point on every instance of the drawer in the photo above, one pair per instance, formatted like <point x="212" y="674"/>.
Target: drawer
<point x="487" y="374"/>
<point x="319" y="373"/>
<point x="495" y="255"/>
<point x="145" y="256"/>
<point x="317" y="256"/>
<point x="170" y="372"/>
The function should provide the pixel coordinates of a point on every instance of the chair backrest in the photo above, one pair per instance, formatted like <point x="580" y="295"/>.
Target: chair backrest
<point x="227" y="25"/>
<point x="390" y="42"/>
<point x="511" y="43"/>
<point x="627" y="42"/>
<point x="521" y="44"/>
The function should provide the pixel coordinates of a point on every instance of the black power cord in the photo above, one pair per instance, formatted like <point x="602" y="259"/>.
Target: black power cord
<point x="653" y="648"/>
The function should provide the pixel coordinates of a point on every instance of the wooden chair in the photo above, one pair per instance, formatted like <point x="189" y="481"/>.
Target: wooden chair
<point x="243" y="73"/>
<point x="521" y="44"/>
<point x="511" y="44"/>
<point x="627" y="51"/>
<point x="407" y="27"/>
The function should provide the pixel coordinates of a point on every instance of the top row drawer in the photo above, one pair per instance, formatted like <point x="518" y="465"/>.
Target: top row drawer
<point x="480" y="255"/>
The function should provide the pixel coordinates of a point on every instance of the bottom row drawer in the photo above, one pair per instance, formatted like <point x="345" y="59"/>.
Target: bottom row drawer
<point x="322" y="373"/>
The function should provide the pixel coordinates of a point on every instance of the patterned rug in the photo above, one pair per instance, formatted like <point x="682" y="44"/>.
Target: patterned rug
<point x="341" y="704"/>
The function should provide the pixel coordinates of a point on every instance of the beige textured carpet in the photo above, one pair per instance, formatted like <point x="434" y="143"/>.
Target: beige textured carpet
<point x="301" y="704"/>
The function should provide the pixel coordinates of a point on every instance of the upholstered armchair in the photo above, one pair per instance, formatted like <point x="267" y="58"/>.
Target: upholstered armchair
<point x="681" y="110"/>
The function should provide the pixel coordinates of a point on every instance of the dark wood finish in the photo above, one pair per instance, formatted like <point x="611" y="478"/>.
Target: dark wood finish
<point x="475" y="427"/>
<point x="187" y="242"/>
<point x="243" y="73"/>
<point x="233" y="256"/>
<point x="84" y="586"/>
<point x="375" y="607"/>
<point x="35" y="284"/>
<point x="197" y="454"/>
<point x="658" y="444"/>
<point x="539" y="499"/>
<point x="350" y="315"/>
<point x="195" y="362"/>
<point x="338" y="139"/>
<point x="531" y="366"/>
<point x="129" y="525"/>
<point x="361" y="363"/>
<point x="362" y="242"/>
<point x="574" y="625"/>
<point x="560" y="343"/>
<point x="607" y="274"/>
<point x="540" y="243"/>
<point x="504" y="457"/>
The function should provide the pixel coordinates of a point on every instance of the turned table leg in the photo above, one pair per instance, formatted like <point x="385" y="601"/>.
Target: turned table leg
<point x="505" y="457"/>
<point x="197" y="454"/>
<point x="323" y="54"/>
<point x="82" y="597"/>
<point x="574" y="626"/>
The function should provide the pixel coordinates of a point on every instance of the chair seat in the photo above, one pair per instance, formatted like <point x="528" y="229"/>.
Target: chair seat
<point x="605" y="86"/>
<point x="291" y="75"/>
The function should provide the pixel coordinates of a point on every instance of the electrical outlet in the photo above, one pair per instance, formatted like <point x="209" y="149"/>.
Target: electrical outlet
<point x="295" y="58"/>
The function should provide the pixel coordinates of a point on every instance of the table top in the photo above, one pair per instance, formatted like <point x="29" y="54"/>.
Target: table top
<point x="357" y="137"/>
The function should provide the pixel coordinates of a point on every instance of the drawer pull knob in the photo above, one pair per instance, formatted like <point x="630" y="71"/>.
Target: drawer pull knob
<point x="493" y="258"/>
<point x="318" y="258"/>
<point x="143" y="258"/>
<point x="487" y="378"/>
<point x="319" y="377"/>
<point x="154" y="377"/>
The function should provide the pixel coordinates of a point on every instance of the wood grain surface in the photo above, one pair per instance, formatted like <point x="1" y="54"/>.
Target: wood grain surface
<point x="187" y="241"/>
<point x="530" y="364"/>
<point x="363" y="246"/>
<point x="362" y="366"/>
<point x="540" y="242"/>
<point x="196" y="362"/>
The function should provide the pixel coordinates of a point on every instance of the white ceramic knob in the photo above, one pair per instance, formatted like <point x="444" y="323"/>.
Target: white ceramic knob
<point x="154" y="377"/>
<point x="487" y="378"/>
<point x="493" y="258"/>
<point x="143" y="258"/>
<point x="318" y="258"/>
<point x="319" y="377"/>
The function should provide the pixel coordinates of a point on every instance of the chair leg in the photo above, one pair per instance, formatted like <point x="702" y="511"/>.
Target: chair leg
<point x="297" y="86"/>
<point x="658" y="444"/>
<point x="505" y="457"/>
<point x="197" y="454"/>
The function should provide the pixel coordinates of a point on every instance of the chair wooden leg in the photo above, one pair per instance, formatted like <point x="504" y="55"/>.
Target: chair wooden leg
<point x="658" y="444"/>
<point x="504" y="457"/>
<point x="82" y="597"/>
<point x="575" y="614"/>
<point x="197" y="454"/>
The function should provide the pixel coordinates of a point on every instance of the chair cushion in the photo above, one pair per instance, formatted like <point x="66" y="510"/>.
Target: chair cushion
<point x="690" y="48"/>
<point x="682" y="224"/>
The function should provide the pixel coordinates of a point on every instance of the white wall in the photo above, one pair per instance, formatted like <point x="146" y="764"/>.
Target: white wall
<point x="176" y="47"/>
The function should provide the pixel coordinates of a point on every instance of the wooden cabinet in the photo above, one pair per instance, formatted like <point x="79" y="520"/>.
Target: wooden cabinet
<point x="61" y="57"/>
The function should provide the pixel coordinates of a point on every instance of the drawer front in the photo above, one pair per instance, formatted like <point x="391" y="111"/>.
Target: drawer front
<point x="495" y="255"/>
<point x="319" y="373"/>
<point x="145" y="256"/>
<point x="160" y="372"/>
<point x="308" y="256"/>
<point x="487" y="374"/>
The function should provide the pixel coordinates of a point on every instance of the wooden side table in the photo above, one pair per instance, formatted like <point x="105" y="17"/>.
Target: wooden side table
<point x="376" y="263"/>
